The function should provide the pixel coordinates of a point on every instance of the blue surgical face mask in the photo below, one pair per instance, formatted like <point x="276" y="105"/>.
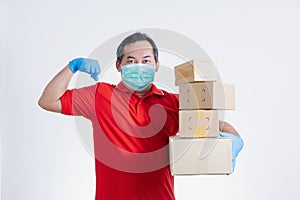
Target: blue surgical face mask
<point x="138" y="76"/>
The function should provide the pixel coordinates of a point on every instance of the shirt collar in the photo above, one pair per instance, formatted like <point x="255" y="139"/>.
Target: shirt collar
<point x="153" y="90"/>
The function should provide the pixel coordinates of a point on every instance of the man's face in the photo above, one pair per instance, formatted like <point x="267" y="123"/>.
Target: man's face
<point x="138" y="52"/>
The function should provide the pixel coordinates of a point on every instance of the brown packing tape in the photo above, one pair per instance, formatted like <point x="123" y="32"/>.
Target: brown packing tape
<point x="198" y="123"/>
<point x="200" y="131"/>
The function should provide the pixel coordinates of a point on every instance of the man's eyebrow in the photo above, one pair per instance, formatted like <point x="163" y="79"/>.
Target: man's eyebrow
<point x="148" y="56"/>
<point x="130" y="57"/>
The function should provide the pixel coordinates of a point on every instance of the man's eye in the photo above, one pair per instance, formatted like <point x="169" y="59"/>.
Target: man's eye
<point x="147" y="61"/>
<point x="130" y="61"/>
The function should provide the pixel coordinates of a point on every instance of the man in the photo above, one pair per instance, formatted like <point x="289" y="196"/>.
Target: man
<point x="131" y="121"/>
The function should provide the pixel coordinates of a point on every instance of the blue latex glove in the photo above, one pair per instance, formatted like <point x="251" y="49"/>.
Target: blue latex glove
<point x="86" y="65"/>
<point x="237" y="145"/>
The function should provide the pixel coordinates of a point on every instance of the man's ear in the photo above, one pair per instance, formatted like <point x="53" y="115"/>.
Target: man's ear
<point x="157" y="66"/>
<point x="118" y="66"/>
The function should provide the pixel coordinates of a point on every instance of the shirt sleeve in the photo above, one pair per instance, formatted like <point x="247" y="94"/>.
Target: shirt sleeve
<point x="173" y="114"/>
<point x="79" y="102"/>
<point x="176" y="124"/>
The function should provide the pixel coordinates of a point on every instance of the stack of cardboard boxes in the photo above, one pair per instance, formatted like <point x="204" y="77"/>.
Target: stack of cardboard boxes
<point x="198" y="149"/>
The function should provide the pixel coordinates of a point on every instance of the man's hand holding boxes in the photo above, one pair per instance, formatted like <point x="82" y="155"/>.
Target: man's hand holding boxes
<point x="200" y="148"/>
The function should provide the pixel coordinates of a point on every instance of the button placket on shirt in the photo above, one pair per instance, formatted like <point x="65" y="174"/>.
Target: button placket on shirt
<point x="139" y="112"/>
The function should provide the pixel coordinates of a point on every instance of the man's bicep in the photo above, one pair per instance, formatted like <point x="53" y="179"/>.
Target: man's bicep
<point x="53" y="107"/>
<point x="57" y="107"/>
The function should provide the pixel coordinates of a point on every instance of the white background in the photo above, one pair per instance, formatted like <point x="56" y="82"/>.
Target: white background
<point x="255" y="43"/>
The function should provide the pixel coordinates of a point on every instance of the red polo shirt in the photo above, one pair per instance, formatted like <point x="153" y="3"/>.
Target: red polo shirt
<point x="130" y="139"/>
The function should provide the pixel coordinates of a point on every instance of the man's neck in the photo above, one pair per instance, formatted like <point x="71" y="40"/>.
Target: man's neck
<point x="143" y="92"/>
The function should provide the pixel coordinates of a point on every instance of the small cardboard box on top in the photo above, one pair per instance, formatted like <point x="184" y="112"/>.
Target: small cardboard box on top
<point x="195" y="70"/>
<point x="198" y="123"/>
<point x="206" y="95"/>
<point x="200" y="156"/>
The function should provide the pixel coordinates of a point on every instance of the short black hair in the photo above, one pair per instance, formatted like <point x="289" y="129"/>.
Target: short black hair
<point x="135" y="37"/>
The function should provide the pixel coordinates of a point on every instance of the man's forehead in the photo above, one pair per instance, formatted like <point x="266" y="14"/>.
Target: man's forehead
<point x="137" y="46"/>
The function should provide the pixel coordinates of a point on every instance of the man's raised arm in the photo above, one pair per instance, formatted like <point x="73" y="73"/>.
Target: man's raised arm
<point x="50" y="98"/>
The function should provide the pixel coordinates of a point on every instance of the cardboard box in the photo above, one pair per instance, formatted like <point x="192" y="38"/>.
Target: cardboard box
<point x="206" y="95"/>
<point x="195" y="70"/>
<point x="198" y="123"/>
<point x="192" y="156"/>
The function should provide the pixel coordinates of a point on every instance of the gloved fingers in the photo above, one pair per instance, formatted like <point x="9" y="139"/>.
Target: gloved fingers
<point x="97" y="67"/>
<point x="237" y="142"/>
<point x="91" y="69"/>
<point x="93" y="66"/>
<point x="233" y="164"/>
<point x="95" y="76"/>
<point x="88" y="69"/>
<point x="238" y="145"/>
<point x="86" y="65"/>
<point x="224" y="134"/>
